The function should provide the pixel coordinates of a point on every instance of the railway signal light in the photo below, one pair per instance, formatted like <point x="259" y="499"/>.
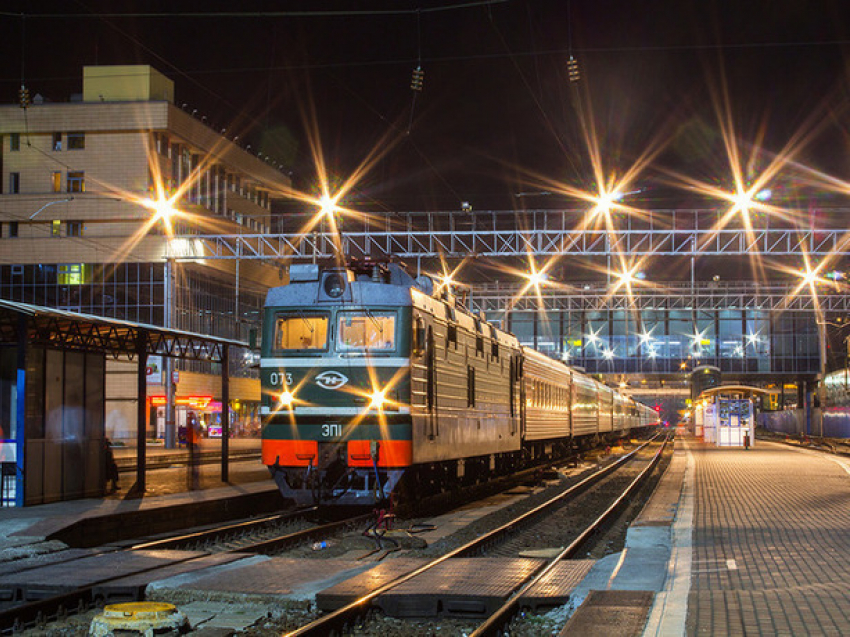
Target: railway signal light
<point x="572" y="69"/>
<point x="417" y="79"/>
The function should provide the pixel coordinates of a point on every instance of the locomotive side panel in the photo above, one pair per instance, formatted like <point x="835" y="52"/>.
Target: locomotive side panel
<point x="460" y="388"/>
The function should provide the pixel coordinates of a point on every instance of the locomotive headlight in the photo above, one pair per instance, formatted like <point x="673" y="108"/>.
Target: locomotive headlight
<point x="286" y="398"/>
<point x="334" y="285"/>
<point x="378" y="400"/>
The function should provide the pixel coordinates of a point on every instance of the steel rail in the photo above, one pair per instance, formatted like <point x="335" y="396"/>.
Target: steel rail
<point x="337" y="619"/>
<point x="495" y="624"/>
<point x="17" y="618"/>
<point x="214" y="533"/>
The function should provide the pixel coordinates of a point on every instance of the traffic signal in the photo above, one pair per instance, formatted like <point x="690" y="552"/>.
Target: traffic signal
<point x="24" y="95"/>
<point x="417" y="78"/>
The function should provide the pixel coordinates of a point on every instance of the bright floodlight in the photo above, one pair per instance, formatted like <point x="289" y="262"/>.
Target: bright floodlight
<point x="286" y="398"/>
<point x="377" y="400"/>
<point x="164" y="208"/>
<point x="327" y="205"/>
<point x="536" y="278"/>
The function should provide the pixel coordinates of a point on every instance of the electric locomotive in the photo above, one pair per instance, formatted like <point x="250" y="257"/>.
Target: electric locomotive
<point x="374" y="386"/>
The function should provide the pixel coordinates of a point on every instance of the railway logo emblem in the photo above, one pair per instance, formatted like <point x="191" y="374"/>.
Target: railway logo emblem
<point x="331" y="379"/>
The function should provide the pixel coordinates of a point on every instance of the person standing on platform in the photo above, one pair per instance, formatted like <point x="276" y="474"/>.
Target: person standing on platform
<point x="193" y="441"/>
<point x="110" y="464"/>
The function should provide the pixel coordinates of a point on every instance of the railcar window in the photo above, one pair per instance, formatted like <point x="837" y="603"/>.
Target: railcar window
<point x="301" y="332"/>
<point x="373" y="331"/>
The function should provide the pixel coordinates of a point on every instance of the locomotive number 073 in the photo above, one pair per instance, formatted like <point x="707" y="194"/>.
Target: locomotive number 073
<point x="277" y="378"/>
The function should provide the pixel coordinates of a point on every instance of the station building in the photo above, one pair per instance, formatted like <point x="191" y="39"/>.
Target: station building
<point x="78" y="232"/>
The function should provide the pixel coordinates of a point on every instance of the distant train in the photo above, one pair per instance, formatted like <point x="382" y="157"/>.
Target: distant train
<point x="376" y="387"/>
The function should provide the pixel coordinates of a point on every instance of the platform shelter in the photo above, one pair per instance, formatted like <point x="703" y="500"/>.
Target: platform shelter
<point x="725" y="415"/>
<point x="52" y="391"/>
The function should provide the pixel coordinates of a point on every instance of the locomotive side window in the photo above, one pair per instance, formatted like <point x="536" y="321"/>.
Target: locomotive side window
<point x="301" y="331"/>
<point x="373" y="331"/>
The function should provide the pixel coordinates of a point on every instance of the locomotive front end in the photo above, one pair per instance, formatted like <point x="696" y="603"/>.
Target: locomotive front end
<point x="335" y="377"/>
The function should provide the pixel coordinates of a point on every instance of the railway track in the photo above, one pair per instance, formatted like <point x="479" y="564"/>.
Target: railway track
<point x="350" y="614"/>
<point x="261" y="536"/>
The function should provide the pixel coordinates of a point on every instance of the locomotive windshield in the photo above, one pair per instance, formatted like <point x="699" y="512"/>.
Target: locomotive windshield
<point x="366" y="330"/>
<point x="301" y="331"/>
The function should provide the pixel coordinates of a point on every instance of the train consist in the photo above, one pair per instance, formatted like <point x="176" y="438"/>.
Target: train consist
<point x="376" y="387"/>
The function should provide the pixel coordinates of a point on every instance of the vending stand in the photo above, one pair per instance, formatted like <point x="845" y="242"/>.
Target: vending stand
<point x="724" y="415"/>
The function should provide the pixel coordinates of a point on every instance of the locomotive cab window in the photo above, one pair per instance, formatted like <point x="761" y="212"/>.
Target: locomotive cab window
<point x="301" y="331"/>
<point x="366" y="331"/>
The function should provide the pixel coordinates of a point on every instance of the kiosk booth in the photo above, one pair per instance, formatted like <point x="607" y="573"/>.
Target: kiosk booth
<point x="724" y="415"/>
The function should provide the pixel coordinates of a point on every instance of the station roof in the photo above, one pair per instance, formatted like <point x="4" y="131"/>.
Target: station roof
<point x="61" y="329"/>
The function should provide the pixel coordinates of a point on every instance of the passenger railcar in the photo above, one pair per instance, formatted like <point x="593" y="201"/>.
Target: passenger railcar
<point x="374" y="386"/>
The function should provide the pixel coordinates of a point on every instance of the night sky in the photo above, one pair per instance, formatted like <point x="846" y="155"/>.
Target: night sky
<point x="497" y="105"/>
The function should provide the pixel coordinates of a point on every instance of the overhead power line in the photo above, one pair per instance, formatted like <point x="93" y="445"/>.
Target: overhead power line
<point x="265" y="14"/>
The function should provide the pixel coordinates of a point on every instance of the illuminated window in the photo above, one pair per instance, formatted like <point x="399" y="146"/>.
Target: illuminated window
<point x="71" y="274"/>
<point x="301" y="332"/>
<point x="56" y="181"/>
<point x="76" y="181"/>
<point x="55" y="228"/>
<point x="372" y="331"/>
<point x="57" y="141"/>
<point x="76" y="141"/>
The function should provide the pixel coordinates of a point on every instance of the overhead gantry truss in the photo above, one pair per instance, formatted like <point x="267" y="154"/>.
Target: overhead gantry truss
<point x="518" y="234"/>
<point x="701" y="297"/>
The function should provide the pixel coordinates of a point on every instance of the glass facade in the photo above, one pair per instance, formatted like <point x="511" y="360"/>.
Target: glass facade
<point x="203" y="303"/>
<point x="661" y="341"/>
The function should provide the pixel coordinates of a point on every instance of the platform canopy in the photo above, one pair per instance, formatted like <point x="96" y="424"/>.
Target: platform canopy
<point x="66" y="330"/>
<point x="737" y="389"/>
<point x="22" y="324"/>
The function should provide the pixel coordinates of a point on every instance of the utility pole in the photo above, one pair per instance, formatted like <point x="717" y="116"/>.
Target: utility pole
<point x="168" y="363"/>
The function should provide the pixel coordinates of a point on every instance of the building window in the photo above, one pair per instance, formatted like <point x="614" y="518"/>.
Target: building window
<point x="13" y="229"/>
<point x="57" y="141"/>
<point x="14" y="141"/>
<point x="76" y="141"/>
<point x="55" y="228"/>
<point x="14" y="183"/>
<point x="71" y="274"/>
<point x="74" y="228"/>
<point x="56" y="181"/>
<point x="76" y="181"/>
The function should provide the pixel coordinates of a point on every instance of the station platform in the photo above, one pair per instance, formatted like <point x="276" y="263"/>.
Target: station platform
<point x="734" y="542"/>
<point x="170" y="500"/>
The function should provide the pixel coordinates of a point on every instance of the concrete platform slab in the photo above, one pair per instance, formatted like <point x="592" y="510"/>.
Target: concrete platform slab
<point x="132" y="588"/>
<point x="462" y="587"/>
<point x="50" y="580"/>
<point x="267" y="578"/>
<point x="356" y="587"/>
<point x="555" y="589"/>
<point x="611" y="614"/>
